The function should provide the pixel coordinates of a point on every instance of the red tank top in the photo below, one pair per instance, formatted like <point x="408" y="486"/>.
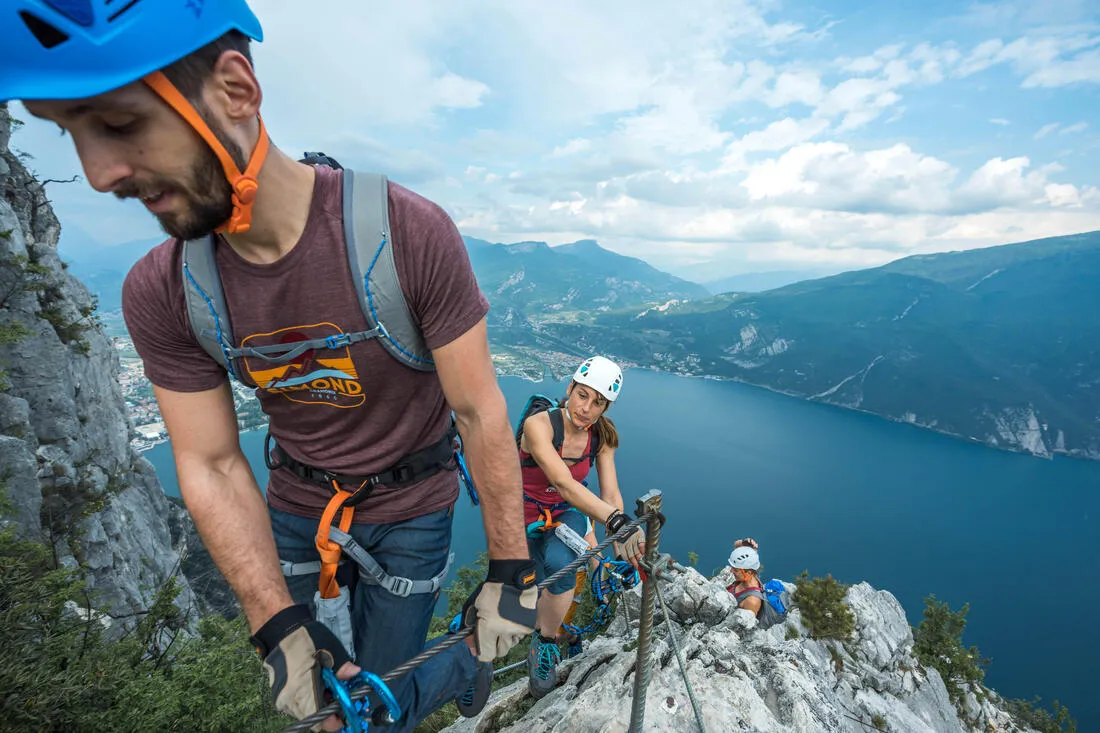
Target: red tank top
<point x="537" y="487"/>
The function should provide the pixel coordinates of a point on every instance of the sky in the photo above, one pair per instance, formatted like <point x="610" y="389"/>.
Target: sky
<point x="708" y="137"/>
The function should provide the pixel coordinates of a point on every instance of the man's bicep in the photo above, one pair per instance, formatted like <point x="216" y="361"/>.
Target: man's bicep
<point x="465" y="371"/>
<point x="202" y="427"/>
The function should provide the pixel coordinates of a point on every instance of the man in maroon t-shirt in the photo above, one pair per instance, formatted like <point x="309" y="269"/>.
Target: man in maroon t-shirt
<point x="162" y="103"/>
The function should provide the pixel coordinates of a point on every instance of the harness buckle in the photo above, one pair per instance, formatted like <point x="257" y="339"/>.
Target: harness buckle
<point x="338" y="340"/>
<point x="400" y="587"/>
<point x="403" y="474"/>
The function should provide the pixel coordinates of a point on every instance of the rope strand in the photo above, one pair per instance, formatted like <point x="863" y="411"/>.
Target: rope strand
<point x="680" y="659"/>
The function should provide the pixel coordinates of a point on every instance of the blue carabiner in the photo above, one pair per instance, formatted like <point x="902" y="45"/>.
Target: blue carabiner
<point x="357" y="712"/>
<point x="383" y="691"/>
<point x="464" y="472"/>
<point x="353" y="711"/>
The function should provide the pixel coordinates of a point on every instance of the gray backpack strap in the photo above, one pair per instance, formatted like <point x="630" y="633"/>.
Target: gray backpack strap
<point x="370" y="254"/>
<point x="202" y="293"/>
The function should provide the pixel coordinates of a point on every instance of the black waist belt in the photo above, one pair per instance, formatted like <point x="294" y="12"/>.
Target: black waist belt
<point x="410" y="469"/>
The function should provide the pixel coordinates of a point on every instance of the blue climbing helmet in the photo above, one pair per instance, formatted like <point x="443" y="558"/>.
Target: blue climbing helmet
<point x="72" y="49"/>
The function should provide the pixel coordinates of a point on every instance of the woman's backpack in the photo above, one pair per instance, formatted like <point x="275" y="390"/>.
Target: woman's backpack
<point x="776" y="602"/>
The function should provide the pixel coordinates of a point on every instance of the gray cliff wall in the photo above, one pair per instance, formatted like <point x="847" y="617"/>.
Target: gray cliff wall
<point x="70" y="477"/>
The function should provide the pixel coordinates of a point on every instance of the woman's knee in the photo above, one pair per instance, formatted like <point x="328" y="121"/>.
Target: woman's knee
<point x="563" y="585"/>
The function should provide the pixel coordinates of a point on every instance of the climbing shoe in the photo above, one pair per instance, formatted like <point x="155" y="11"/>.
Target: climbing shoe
<point x="471" y="702"/>
<point x="542" y="665"/>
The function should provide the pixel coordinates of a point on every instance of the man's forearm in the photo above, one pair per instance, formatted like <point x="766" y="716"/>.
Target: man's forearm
<point x="232" y="519"/>
<point x="494" y="464"/>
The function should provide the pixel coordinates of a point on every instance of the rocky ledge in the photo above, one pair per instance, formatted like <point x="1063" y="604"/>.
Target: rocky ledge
<point x="748" y="679"/>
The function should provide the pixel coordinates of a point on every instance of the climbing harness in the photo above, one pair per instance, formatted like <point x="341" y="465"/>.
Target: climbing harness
<point x="649" y="507"/>
<point x="409" y="469"/>
<point x="332" y="602"/>
<point x="358" y="714"/>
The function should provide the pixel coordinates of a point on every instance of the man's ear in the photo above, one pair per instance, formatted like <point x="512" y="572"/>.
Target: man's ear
<point x="233" y="88"/>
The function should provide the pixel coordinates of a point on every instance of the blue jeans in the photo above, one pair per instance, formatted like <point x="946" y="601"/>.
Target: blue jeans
<point x="551" y="554"/>
<point x="388" y="629"/>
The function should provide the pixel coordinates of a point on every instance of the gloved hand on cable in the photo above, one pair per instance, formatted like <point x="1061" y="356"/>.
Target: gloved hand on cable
<point x="502" y="607"/>
<point x="632" y="547"/>
<point x="294" y="648"/>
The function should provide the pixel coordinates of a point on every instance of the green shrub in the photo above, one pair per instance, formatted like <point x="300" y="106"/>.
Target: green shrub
<point x="20" y="274"/>
<point x="1029" y="714"/>
<point x="60" y="671"/>
<point x="937" y="643"/>
<point x="824" y="613"/>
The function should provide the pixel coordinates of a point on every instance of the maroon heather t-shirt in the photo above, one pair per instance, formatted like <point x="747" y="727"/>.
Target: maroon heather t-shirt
<point x="353" y="410"/>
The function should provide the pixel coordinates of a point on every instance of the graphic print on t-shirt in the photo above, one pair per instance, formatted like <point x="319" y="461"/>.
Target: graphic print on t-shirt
<point x="316" y="377"/>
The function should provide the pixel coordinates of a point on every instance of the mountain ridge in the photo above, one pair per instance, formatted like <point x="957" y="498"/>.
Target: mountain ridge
<point x="1002" y="355"/>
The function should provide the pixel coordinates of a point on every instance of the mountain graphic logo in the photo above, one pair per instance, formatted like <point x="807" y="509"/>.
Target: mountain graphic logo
<point x="317" y="376"/>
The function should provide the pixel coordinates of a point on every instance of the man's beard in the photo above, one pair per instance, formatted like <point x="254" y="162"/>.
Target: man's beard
<point x="207" y="196"/>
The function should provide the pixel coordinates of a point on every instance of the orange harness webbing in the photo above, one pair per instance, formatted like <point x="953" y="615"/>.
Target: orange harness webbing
<point x="330" y="551"/>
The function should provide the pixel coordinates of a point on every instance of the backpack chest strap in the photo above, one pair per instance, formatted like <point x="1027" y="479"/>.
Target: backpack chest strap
<point x="282" y="353"/>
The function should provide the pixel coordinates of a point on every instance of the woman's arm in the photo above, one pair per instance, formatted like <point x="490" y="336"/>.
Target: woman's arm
<point x="751" y="603"/>
<point x="609" y="480"/>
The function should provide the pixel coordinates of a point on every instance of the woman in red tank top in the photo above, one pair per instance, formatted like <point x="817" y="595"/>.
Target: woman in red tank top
<point x="558" y="449"/>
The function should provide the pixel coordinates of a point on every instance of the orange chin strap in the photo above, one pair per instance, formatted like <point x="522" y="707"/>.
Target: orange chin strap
<point x="245" y="185"/>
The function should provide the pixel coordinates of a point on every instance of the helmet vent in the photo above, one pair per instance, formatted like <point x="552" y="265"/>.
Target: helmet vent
<point x="45" y="33"/>
<point x="78" y="11"/>
<point x="120" y="11"/>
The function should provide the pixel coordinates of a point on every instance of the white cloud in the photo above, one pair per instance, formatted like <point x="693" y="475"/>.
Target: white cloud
<point x="707" y="129"/>
<point x="679" y="124"/>
<point x="933" y="62"/>
<point x="834" y="176"/>
<point x="858" y="101"/>
<point x="572" y="147"/>
<point x="778" y="135"/>
<point x="1046" y="130"/>
<point x="365" y="71"/>
<point x="1009" y="183"/>
<point x="1053" y="60"/>
<point x="802" y="87"/>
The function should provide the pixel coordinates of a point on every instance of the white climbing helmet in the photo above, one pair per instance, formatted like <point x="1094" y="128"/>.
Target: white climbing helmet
<point x="602" y="375"/>
<point x="744" y="558"/>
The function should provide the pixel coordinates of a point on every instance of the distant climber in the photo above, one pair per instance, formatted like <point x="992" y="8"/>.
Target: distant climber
<point x="558" y="447"/>
<point x="765" y="600"/>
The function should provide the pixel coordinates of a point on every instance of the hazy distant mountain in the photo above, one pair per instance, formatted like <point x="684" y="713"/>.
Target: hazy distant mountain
<point x="758" y="282"/>
<point x="530" y="283"/>
<point x="1001" y="344"/>
<point x="102" y="268"/>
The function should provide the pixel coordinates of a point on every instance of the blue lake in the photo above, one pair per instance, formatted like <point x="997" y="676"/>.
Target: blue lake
<point x="833" y="491"/>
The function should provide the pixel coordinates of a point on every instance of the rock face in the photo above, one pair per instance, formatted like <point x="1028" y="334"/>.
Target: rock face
<point x="69" y="475"/>
<point x="745" y="678"/>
